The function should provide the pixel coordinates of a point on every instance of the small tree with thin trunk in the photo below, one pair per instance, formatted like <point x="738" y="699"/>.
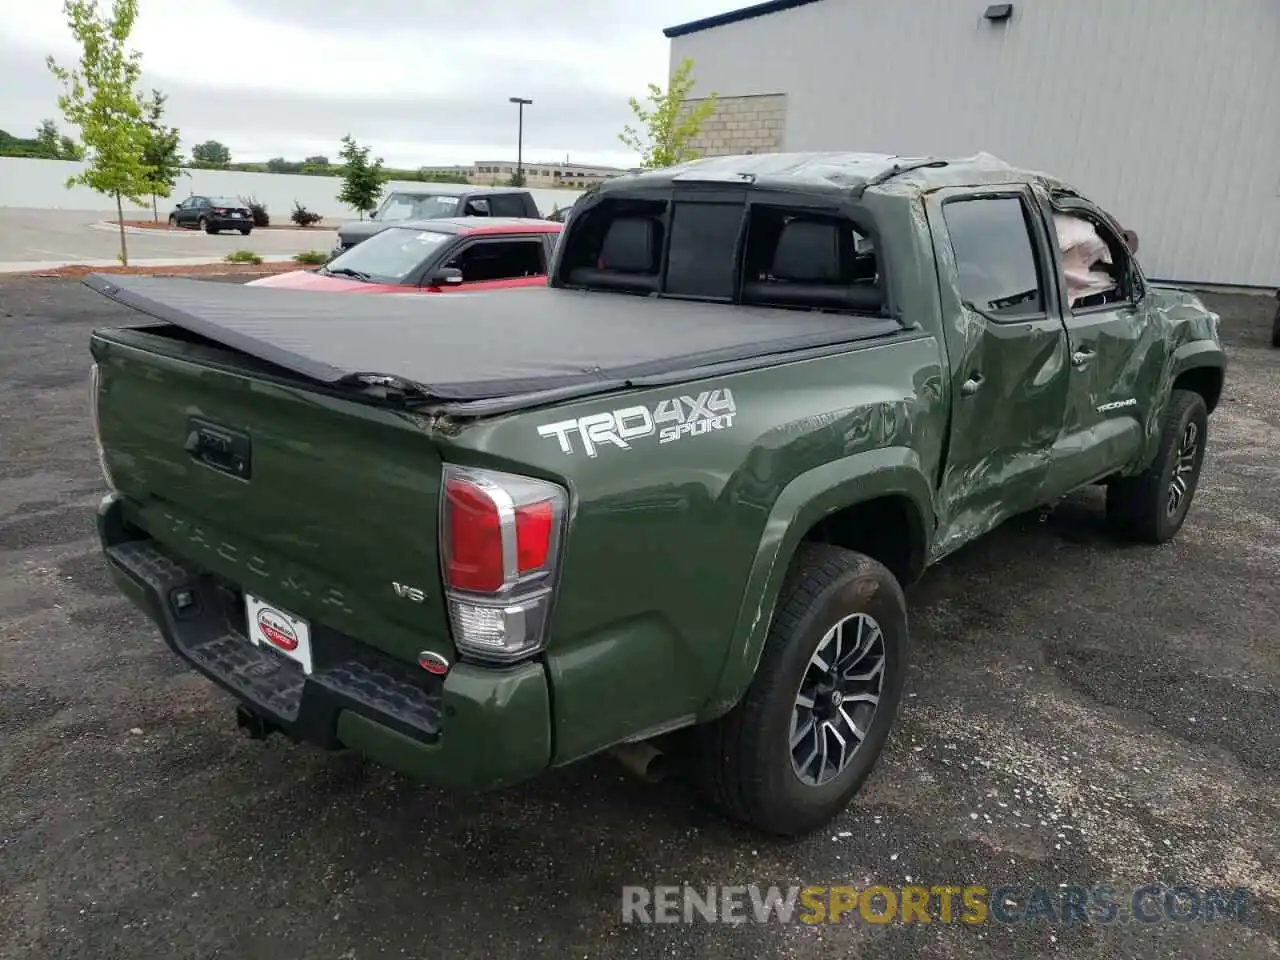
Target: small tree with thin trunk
<point x="162" y="159"/>
<point x="361" y="180"/>
<point x="100" y="97"/>
<point x="669" y="126"/>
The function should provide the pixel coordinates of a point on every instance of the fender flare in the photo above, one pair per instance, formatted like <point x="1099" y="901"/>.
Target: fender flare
<point x="833" y="486"/>
<point x="1192" y="355"/>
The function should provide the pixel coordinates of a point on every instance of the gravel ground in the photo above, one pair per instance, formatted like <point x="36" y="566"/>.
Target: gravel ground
<point x="1079" y="711"/>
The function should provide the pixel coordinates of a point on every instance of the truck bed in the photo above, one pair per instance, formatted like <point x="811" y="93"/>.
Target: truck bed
<point x="467" y="347"/>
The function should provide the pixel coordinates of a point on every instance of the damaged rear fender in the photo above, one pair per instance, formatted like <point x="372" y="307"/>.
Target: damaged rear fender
<point x="807" y="499"/>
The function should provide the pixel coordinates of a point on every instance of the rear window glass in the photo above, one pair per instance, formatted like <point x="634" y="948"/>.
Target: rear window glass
<point x="229" y="202"/>
<point x="702" y="258"/>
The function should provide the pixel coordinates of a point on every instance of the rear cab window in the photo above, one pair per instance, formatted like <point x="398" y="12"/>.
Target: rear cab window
<point x="755" y="252"/>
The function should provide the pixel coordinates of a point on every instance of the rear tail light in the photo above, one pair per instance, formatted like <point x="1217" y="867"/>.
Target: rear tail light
<point x="95" y="388"/>
<point x="219" y="210"/>
<point x="500" y="538"/>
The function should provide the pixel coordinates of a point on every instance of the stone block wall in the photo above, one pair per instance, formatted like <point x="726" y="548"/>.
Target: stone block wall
<point x="754" y="124"/>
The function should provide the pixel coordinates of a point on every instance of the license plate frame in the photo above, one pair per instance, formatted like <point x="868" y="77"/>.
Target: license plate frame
<point x="276" y="629"/>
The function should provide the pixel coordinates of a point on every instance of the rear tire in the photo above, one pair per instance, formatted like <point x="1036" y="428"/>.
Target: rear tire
<point x="1152" y="506"/>
<point x="1275" y="326"/>
<point x="245" y="231"/>
<point x="838" y="639"/>
<point x="206" y="226"/>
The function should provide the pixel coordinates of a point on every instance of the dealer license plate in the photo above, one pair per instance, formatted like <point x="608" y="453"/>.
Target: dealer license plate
<point x="272" y="627"/>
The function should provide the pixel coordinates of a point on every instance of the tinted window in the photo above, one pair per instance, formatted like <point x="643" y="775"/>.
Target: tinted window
<point x="702" y="261"/>
<point x="390" y="255"/>
<point x="509" y="205"/>
<point x="995" y="259"/>
<point x="500" y="260"/>
<point x="227" y="202"/>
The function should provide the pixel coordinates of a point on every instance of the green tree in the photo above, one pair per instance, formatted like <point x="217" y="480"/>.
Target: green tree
<point x="47" y="139"/>
<point x="669" y="125"/>
<point x="68" y="149"/>
<point x="319" y="160"/>
<point x="101" y="99"/>
<point x="161" y="156"/>
<point x="361" y="180"/>
<point x="212" y="154"/>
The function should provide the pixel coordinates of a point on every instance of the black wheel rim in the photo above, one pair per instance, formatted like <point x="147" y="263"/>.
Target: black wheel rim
<point x="837" y="700"/>
<point x="1184" y="467"/>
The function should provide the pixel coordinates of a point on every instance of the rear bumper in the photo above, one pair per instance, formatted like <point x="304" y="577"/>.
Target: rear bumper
<point x="476" y="728"/>
<point x="231" y="223"/>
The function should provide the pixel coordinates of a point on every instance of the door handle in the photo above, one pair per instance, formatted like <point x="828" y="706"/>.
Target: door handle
<point x="1081" y="357"/>
<point x="971" y="386"/>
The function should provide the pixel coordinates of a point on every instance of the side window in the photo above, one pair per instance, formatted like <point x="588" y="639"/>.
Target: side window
<point x="1095" y="262"/>
<point x="998" y="270"/>
<point x="506" y="205"/>
<point x="501" y="260"/>
<point x="477" y="207"/>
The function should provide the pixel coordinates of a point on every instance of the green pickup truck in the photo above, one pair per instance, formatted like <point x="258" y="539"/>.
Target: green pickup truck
<point x="665" y="507"/>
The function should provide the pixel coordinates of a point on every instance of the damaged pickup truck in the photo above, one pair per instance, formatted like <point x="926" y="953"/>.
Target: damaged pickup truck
<point x="664" y="507"/>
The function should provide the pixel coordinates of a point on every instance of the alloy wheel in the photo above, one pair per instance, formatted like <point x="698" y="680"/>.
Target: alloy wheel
<point x="837" y="700"/>
<point x="1183" y="468"/>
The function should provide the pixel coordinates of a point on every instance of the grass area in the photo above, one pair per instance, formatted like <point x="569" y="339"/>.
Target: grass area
<point x="242" y="256"/>
<point x="311" y="257"/>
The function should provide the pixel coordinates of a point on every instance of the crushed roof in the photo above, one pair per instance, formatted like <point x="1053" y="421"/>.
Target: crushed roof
<point x="837" y="172"/>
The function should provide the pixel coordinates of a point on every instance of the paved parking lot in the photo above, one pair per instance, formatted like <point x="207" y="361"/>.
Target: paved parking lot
<point x="70" y="236"/>
<point x="1079" y="711"/>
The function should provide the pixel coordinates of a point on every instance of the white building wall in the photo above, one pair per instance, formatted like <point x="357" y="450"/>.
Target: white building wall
<point x="1166" y="112"/>
<point x="41" y="184"/>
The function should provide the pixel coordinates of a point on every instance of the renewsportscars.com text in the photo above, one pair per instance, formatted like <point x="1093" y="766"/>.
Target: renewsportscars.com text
<point x="947" y="903"/>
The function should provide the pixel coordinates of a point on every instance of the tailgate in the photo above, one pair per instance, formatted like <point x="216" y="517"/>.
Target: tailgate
<point x="323" y="506"/>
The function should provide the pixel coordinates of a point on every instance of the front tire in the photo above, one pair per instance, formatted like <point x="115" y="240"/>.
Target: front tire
<point x="789" y="757"/>
<point x="173" y="221"/>
<point x="1152" y="506"/>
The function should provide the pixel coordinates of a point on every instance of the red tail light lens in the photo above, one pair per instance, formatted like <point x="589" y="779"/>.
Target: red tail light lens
<point x="498" y="529"/>
<point x="499" y="550"/>
<point x="534" y="525"/>
<point x="474" y="559"/>
<point x="219" y="210"/>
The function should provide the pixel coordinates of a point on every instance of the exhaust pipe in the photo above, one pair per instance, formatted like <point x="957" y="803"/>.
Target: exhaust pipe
<point x="641" y="759"/>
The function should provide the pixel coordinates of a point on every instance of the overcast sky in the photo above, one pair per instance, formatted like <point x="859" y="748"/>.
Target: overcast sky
<point x="423" y="81"/>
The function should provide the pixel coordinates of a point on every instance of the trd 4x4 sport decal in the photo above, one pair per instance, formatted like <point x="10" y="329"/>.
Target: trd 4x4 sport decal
<point x="671" y="420"/>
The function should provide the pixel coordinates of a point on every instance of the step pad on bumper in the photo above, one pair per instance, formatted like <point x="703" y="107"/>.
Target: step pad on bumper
<point x="202" y="619"/>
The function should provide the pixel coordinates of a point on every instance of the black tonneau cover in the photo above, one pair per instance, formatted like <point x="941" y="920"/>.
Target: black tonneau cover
<point x="466" y="347"/>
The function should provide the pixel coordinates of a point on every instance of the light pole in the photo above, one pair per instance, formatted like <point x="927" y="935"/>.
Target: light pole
<point x="520" y="103"/>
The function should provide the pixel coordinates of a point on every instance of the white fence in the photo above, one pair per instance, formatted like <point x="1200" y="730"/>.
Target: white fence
<point x="41" y="184"/>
